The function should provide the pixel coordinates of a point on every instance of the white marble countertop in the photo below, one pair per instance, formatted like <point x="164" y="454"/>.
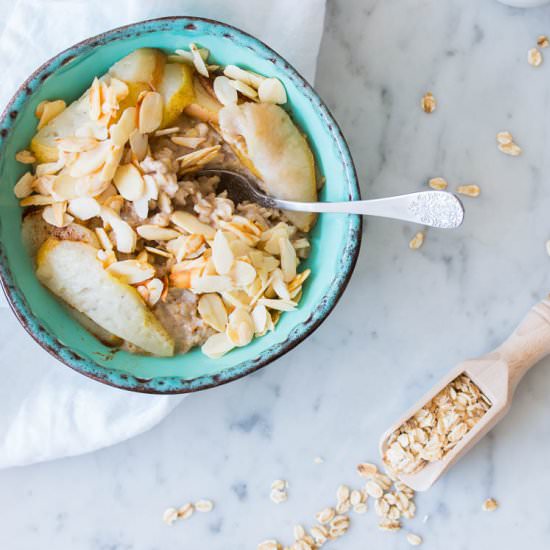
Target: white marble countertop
<point x="407" y="317"/>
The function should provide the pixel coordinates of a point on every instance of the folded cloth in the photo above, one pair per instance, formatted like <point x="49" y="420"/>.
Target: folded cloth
<point x="46" y="410"/>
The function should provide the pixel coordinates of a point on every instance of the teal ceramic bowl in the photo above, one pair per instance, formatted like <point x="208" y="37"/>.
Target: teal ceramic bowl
<point x="335" y="239"/>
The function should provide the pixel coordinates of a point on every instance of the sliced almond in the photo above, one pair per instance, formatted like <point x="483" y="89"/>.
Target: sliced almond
<point x="151" y="232"/>
<point x="95" y="99"/>
<point x="212" y="311"/>
<point x="189" y="142"/>
<point x="244" y="89"/>
<point x="167" y="131"/>
<point x="191" y="224"/>
<point x="211" y="283"/>
<point x="198" y="61"/>
<point x="158" y="252"/>
<point x="132" y="271"/>
<point x="91" y="160"/>
<point x="49" y="110"/>
<point x="37" y="200"/>
<point x="150" y="112"/>
<point x="121" y="131"/>
<point x="111" y="165"/>
<point x="124" y="235"/>
<point x="217" y="345"/>
<point x="242" y="274"/>
<point x="139" y="144"/>
<point x="24" y="186"/>
<point x="65" y="187"/>
<point x="76" y="144"/>
<point x="288" y="259"/>
<point x="279" y="286"/>
<point x="50" y="168"/>
<point x="271" y="90"/>
<point x="55" y="215"/>
<point x="119" y="87"/>
<point x="198" y="158"/>
<point x="222" y="255"/>
<point x="129" y="182"/>
<point x="248" y="77"/>
<point x="188" y="56"/>
<point x="84" y="208"/>
<point x="240" y="327"/>
<point x="225" y="92"/>
<point x="25" y="157"/>
<point x="155" y="288"/>
<point x="260" y="317"/>
<point x="279" y="305"/>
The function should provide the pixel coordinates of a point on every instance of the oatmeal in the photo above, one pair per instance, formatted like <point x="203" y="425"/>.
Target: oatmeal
<point x="120" y="214"/>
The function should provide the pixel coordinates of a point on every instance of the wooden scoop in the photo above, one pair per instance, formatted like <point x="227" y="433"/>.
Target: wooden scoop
<point x="496" y="375"/>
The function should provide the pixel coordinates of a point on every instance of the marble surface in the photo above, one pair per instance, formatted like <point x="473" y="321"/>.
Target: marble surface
<point x="407" y="317"/>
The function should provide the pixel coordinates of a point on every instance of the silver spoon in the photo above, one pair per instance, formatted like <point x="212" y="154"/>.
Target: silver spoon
<point x="431" y="208"/>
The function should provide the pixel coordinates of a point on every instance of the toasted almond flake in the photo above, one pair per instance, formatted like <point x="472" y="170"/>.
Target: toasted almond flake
<point x="119" y="87"/>
<point x="91" y="160"/>
<point x="269" y="545"/>
<point x="217" y="345"/>
<point x="225" y="92"/>
<point x="469" y="190"/>
<point x="211" y="283"/>
<point x="299" y="280"/>
<point x="84" y="208"/>
<point x="125" y="236"/>
<point x="279" y="305"/>
<point x="260" y="316"/>
<point x="222" y="255"/>
<point x="155" y="288"/>
<point x="25" y="157"/>
<point x="534" y="57"/>
<point x="438" y="184"/>
<point x="428" y="103"/>
<point x="158" y="252"/>
<point x="212" y="311"/>
<point x="199" y="157"/>
<point x="104" y="238"/>
<point x="37" y="200"/>
<point x="189" y="142"/>
<point x="247" y="77"/>
<point x="170" y="516"/>
<point x="121" y="131"/>
<point x="151" y="232"/>
<point x="129" y="182"/>
<point x="139" y="144"/>
<point x="366" y="469"/>
<point x="512" y="149"/>
<point x="50" y="168"/>
<point x="288" y="259"/>
<point x="198" y="61"/>
<point x="414" y="540"/>
<point x="95" y="99"/>
<point x="417" y="241"/>
<point x="504" y="138"/>
<point x="76" y="144"/>
<point x="132" y="271"/>
<point x="56" y="216"/>
<point x="204" y="506"/>
<point x="490" y="505"/>
<point x="240" y="327"/>
<point x="271" y="90"/>
<point x="244" y="89"/>
<point x="150" y="112"/>
<point x="242" y="274"/>
<point x="542" y="41"/>
<point x="24" y="186"/>
<point x="49" y="110"/>
<point x="191" y="224"/>
<point x="188" y="56"/>
<point x="186" y="511"/>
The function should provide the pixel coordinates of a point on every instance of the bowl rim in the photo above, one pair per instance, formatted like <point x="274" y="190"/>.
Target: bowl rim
<point x="169" y="385"/>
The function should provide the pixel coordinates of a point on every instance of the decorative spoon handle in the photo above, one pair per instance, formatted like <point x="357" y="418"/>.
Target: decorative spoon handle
<point x="432" y="208"/>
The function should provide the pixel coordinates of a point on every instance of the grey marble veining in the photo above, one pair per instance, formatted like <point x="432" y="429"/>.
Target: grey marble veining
<point x="406" y="318"/>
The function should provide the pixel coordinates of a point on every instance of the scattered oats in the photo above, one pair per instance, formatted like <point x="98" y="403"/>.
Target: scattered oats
<point x="542" y="41"/>
<point x="365" y="469"/>
<point x="170" y="516"/>
<point x="299" y="532"/>
<point x="343" y="507"/>
<point x="438" y="184"/>
<point x="343" y="493"/>
<point x="318" y="460"/>
<point x="389" y="525"/>
<point x="414" y="540"/>
<point x="417" y="241"/>
<point x="503" y="138"/>
<point x="512" y="149"/>
<point x="278" y="496"/>
<point x="279" y="484"/>
<point x="269" y="545"/>
<point x="204" y="506"/>
<point x="360" y="508"/>
<point x="355" y="497"/>
<point x="428" y="103"/>
<point x="326" y="515"/>
<point x="373" y="489"/>
<point x="186" y="511"/>
<point x="490" y="505"/>
<point x="469" y="190"/>
<point x="534" y="57"/>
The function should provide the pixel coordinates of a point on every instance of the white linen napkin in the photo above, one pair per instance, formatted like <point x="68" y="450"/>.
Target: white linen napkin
<point x="46" y="410"/>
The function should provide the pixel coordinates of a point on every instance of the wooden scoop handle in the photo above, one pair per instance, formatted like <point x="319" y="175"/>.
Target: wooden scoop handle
<point x="528" y="344"/>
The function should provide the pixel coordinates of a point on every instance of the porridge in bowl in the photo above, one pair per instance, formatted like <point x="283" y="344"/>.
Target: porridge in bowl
<point x="124" y="228"/>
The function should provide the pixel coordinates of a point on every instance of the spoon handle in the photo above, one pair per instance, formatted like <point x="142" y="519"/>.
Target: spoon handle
<point x="528" y="344"/>
<point x="432" y="208"/>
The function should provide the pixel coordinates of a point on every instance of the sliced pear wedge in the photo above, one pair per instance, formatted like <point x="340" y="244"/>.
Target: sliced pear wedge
<point x="177" y="91"/>
<point x="144" y="65"/>
<point x="72" y="272"/>
<point x="264" y="134"/>
<point x="205" y="107"/>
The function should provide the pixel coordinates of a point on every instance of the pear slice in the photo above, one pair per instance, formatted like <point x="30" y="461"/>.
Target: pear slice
<point x="72" y="272"/>
<point x="276" y="150"/>
<point x="177" y="91"/>
<point x="205" y="107"/>
<point x="143" y="65"/>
